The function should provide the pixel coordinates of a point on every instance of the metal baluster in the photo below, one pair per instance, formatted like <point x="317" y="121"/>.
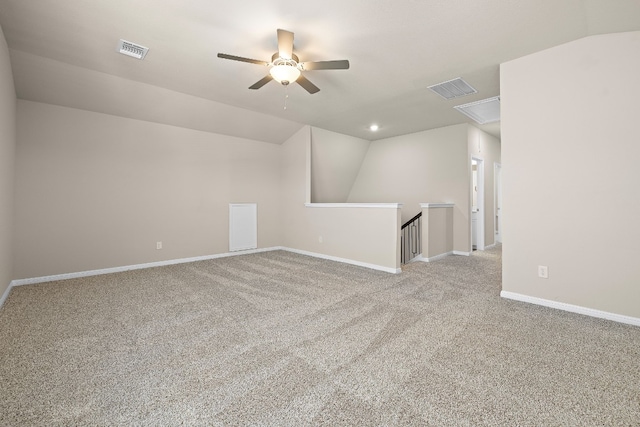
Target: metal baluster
<point x="414" y="239"/>
<point x="419" y="237"/>
<point x="410" y="239"/>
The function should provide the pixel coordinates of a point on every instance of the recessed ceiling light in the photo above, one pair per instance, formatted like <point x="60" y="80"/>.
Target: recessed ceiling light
<point x="374" y="128"/>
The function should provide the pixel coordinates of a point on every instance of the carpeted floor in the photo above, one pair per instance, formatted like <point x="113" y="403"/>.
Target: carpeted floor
<point x="280" y="339"/>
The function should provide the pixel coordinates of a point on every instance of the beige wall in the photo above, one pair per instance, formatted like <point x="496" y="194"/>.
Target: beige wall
<point x="424" y="167"/>
<point x="7" y="162"/>
<point x="437" y="231"/>
<point x="366" y="235"/>
<point x="570" y="168"/>
<point x="488" y="148"/>
<point x="96" y="191"/>
<point x="295" y="186"/>
<point x="335" y="162"/>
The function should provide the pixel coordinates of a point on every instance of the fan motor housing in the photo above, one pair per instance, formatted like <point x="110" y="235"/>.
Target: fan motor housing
<point x="277" y="56"/>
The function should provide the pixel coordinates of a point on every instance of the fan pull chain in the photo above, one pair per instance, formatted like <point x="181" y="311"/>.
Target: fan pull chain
<point x="286" y="96"/>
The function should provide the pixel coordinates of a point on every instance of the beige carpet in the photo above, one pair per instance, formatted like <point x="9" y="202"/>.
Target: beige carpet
<point x="280" y="339"/>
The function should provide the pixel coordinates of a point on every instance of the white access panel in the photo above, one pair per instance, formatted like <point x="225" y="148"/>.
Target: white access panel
<point x="243" y="226"/>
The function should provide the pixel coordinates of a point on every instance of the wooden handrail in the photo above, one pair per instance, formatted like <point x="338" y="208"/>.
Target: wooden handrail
<point x="406" y="224"/>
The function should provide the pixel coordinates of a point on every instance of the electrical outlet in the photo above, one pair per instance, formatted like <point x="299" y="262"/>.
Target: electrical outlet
<point x="543" y="271"/>
<point x="158" y="245"/>
<point x="320" y="239"/>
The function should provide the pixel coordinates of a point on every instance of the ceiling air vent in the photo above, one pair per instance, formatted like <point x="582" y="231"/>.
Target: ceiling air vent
<point x="483" y="111"/>
<point x="132" y="49"/>
<point x="453" y="88"/>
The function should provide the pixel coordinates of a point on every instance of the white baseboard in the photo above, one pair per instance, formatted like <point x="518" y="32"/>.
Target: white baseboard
<point x="435" y="257"/>
<point x="571" y="308"/>
<point x="65" y="276"/>
<point x="462" y="253"/>
<point x="6" y="294"/>
<point x="55" y="277"/>
<point x="345" y="260"/>
<point x="417" y="258"/>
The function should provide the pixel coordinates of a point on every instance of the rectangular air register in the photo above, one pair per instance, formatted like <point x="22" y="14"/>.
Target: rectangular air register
<point x="453" y="88"/>
<point x="483" y="111"/>
<point x="132" y="49"/>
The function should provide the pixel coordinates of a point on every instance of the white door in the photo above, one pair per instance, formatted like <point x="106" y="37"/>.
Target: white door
<point x="498" y="201"/>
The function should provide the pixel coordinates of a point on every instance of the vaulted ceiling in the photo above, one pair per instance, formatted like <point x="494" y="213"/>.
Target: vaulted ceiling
<point x="64" y="52"/>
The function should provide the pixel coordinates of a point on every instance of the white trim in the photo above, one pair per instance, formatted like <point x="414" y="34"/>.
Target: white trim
<point x="493" y="245"/>
<point x="420" y="258"/>
<point x="345" y="260"/>
<point x="572" y="308"/>
<point x="436" y="205"/>
<point x="6" y="293"/>
<point x="55" y="277"/>
<point x="437" y="257"/>
<point x="462" y="253"/>
<point x="417" y="258"/>
<point x="497" y="228"/>
<point x="354" y="205"/>
<point x="481" y="202"/>
<point x="52" y="278"/>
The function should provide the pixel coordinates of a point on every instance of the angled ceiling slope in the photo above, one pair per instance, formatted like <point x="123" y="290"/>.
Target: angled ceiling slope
<point x="396" y="51"/>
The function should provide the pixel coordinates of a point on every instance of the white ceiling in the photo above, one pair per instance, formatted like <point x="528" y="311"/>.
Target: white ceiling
<point x="64" y="52"/>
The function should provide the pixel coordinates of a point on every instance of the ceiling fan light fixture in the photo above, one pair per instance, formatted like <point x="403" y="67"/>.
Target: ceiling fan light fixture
<point x="284" y="73"/>
<point x="285" y="67"/>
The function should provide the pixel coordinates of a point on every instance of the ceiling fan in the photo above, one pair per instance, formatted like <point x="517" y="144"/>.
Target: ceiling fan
<point x="286" y="68"/>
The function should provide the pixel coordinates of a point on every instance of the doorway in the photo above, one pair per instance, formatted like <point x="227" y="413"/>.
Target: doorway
<point x="477" y="203"/>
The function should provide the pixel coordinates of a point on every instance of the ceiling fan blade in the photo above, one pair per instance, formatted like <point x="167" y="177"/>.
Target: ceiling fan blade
<point x="342" y="64"/>
<point x="285" y="44"/>
<point x="241" y="59"/>
<point x="263" y="81"/>
<point x="307" y="85"/>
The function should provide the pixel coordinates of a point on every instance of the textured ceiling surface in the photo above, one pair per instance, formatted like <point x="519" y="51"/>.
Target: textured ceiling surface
<point x="64" y="53"/>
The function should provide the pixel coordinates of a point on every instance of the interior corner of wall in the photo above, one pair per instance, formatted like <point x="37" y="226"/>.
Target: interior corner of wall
<point x="307" y="178"/>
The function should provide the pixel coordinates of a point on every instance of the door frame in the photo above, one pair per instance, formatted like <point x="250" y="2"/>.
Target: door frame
<point x="497" y="199"/>
<point x="481" y="205"/>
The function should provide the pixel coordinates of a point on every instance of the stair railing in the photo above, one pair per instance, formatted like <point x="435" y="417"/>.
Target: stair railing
<point x="410" y="239"/>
